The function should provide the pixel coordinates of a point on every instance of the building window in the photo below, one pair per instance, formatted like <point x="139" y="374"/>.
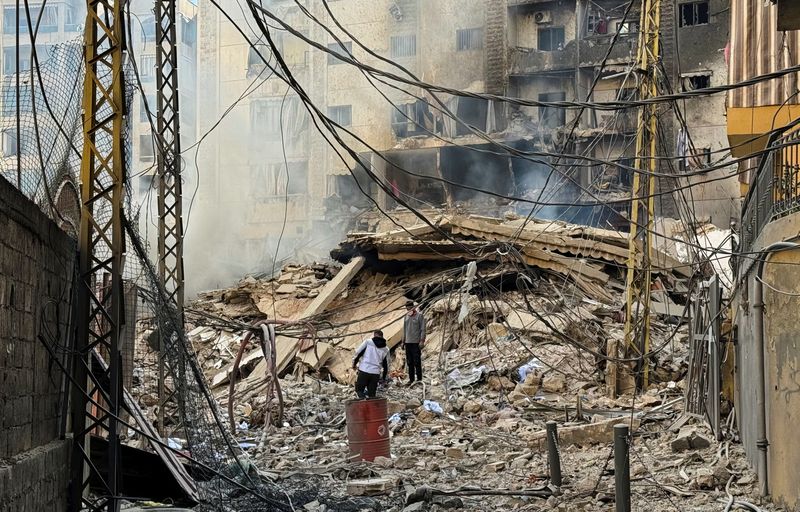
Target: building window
<point x="265" y="119"/>
<point x="597" y="24"/>
<point x="404" y="46"/>
<point x="70" y="19"/>
<point x="551" y="39"/>
<point x="342" y="114"/>
<point x="9" y="141"/>
<point x="695" y="82"/>
<point x="146" y="147"/>
<point x="627" y="28"/>
<point x="694" y="13"/>
<point x="48" y="22"/>
<point x="10" y="20"/>
<point x="253" y="59"/>
<point x="147" y="67"/>
<point x="552" y="117"/>
<point x="409" y="119"/>
<point x="151" y="104"/>
<point x="337" y="49"/>
<point x="469" y="39"/>
<point x="10" y="59"/>
<point x="270" y="180"/>
<point x="189" y="31"/>
<point x="148" y="27"/>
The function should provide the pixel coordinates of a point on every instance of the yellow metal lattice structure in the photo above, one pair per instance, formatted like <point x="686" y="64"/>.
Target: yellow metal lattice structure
<point x="100" y="308"/>
<point x="640" y="241"/>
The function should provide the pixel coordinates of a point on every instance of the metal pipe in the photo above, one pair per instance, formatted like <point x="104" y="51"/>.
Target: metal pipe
<point x="622" y="469"/>
<point x="762" y="443"/>
<point x="553" y="459"/>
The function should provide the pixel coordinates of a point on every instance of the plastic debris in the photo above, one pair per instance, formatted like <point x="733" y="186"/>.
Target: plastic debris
<point x="525" y="369"/>
<point x="432" y="406"/>
<point x="459" y="379"/>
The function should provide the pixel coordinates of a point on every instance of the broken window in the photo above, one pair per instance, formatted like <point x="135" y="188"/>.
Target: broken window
<point x="336" y="49"/>
<point x="270" y="179"/>
<point x="411" y="119"/>
<point x="341" y="114"/>
<point x="551" y="39"/>
<point x="469" y="39"/>
<point x="694" y="82"/>
<point x="597" y="24"/>
<point x="699" y="158"/>
<point x="627" y="27"/>
<point x="146" y="147"/>
<point x="552" y="117"/>
<point x="693" y="13"/>
<point x="472" y="112"/>
<point x="403" y="46"/>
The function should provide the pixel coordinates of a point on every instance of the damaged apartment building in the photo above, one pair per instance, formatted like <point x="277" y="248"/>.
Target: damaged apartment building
<point x="532" y="49"/>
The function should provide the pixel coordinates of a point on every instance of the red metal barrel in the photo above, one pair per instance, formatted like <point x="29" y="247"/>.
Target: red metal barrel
<point x="367" y="429"/>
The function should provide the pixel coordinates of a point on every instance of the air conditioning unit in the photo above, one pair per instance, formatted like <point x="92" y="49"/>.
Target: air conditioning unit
<point x="543" y="17"/>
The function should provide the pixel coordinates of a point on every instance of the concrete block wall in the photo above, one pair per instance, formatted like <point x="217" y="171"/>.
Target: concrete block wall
<point x="36" y="272"/>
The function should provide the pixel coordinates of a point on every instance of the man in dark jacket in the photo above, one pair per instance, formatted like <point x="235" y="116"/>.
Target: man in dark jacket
<point x="413" y="341"/>
<point x="371" y="357"/>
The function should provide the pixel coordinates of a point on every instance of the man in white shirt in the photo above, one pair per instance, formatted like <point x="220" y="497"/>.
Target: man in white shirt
<point x="371" y="357"/>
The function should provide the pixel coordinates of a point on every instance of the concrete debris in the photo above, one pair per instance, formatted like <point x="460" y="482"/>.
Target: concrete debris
<point x="530" y="349"/>
<point x="689" y="439"/>
<point x="370" y="487"/>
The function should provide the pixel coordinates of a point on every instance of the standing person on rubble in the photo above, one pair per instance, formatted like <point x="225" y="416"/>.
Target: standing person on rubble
<point x="413" y="341"/>
<point x="373" y="355"/>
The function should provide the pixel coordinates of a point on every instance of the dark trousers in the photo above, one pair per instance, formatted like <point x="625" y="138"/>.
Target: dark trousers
<point x="367" y="382"/>
<point x="414" y="361"/>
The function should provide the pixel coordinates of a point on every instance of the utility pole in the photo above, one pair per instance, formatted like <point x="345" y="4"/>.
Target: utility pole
<point x="640" y="240"/>
<point x="170" y="197"/>
<point x="97" y="396"/>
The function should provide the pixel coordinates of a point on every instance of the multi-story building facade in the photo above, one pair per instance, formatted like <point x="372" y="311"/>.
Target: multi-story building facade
<point x="762" y="127"/>
<point x="244" y="161"/>
<point x="143" y="47"/>
<point x="534" y="49"/>
<point x="565" y="50"/>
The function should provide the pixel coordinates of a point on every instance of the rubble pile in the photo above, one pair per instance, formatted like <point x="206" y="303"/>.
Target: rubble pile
<point x="518" y="320"/>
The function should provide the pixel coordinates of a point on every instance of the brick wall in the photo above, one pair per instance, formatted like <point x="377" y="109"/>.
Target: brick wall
<point x="36" y="268"/>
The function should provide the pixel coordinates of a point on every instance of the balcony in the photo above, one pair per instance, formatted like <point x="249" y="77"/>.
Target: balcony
<point x="774" y="191"/>
<point x="525" y="61"/>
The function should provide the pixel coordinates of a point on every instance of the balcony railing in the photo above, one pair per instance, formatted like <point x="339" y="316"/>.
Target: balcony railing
<point x="775" y="189"/>
<point x="592" y="52"/>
